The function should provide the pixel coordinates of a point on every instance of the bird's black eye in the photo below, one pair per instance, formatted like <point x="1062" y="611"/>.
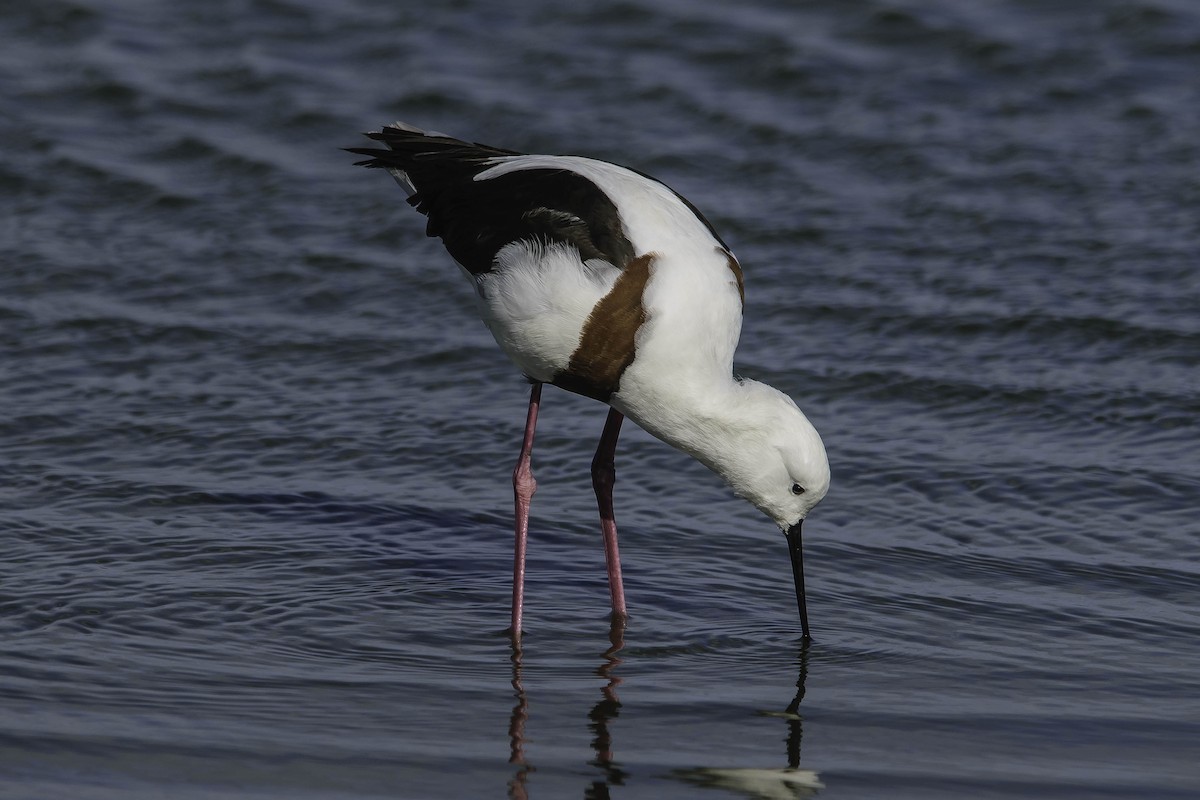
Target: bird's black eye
<point x="797" y="489"/>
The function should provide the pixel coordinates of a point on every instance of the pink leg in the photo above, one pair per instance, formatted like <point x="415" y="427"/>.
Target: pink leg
<point x="523" y="488"/>
<point x="604" y="475"/>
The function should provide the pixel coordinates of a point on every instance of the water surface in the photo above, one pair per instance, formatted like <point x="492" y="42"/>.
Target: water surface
<point x="255" y="447"/>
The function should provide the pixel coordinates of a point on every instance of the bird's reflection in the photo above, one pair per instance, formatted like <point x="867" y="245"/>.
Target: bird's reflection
<point x="788" y="783"/>
<point x="516" y="731"/>
<point x="792" y="712"/>
<point x="606" y="709"/>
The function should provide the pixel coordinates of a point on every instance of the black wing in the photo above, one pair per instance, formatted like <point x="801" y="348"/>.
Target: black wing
<point x="475" y="219"/>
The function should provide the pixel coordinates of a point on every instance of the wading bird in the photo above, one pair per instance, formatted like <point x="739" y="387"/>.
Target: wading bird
<point x="605" y="282"/>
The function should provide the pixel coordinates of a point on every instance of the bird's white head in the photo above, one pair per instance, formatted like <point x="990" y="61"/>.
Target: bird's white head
<point x="778" y="463"/>
<point x="778" y="460"/>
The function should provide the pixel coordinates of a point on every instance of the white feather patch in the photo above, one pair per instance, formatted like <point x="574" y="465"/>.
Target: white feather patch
<point x="536" y="299"/>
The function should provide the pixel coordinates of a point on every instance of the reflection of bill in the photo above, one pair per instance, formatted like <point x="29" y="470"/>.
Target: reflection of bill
<point x="786" y="783"/>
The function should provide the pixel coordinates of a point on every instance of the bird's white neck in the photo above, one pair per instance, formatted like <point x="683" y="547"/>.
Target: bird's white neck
<point x="703" y="418"/>
<point x="750" y="434"/>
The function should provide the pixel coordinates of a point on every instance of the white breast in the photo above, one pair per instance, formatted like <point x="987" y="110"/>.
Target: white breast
<point x="536" y="300"/>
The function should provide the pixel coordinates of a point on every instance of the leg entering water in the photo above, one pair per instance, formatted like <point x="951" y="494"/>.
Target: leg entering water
<point x="523" y="488"/>
<point x="604" y="475"/>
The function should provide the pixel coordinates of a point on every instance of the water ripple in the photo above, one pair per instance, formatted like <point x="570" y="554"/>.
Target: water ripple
<point x="256" y="449"/>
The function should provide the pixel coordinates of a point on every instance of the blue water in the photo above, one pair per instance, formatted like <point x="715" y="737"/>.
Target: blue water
<point x="255" y="448"/>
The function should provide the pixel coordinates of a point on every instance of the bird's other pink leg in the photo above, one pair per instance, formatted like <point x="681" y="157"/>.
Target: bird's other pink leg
<point x="523" y="488"/>
<point x="604" y="476"/>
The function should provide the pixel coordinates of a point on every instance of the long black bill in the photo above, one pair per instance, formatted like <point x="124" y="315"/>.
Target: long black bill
<point x="797" y="554"/>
